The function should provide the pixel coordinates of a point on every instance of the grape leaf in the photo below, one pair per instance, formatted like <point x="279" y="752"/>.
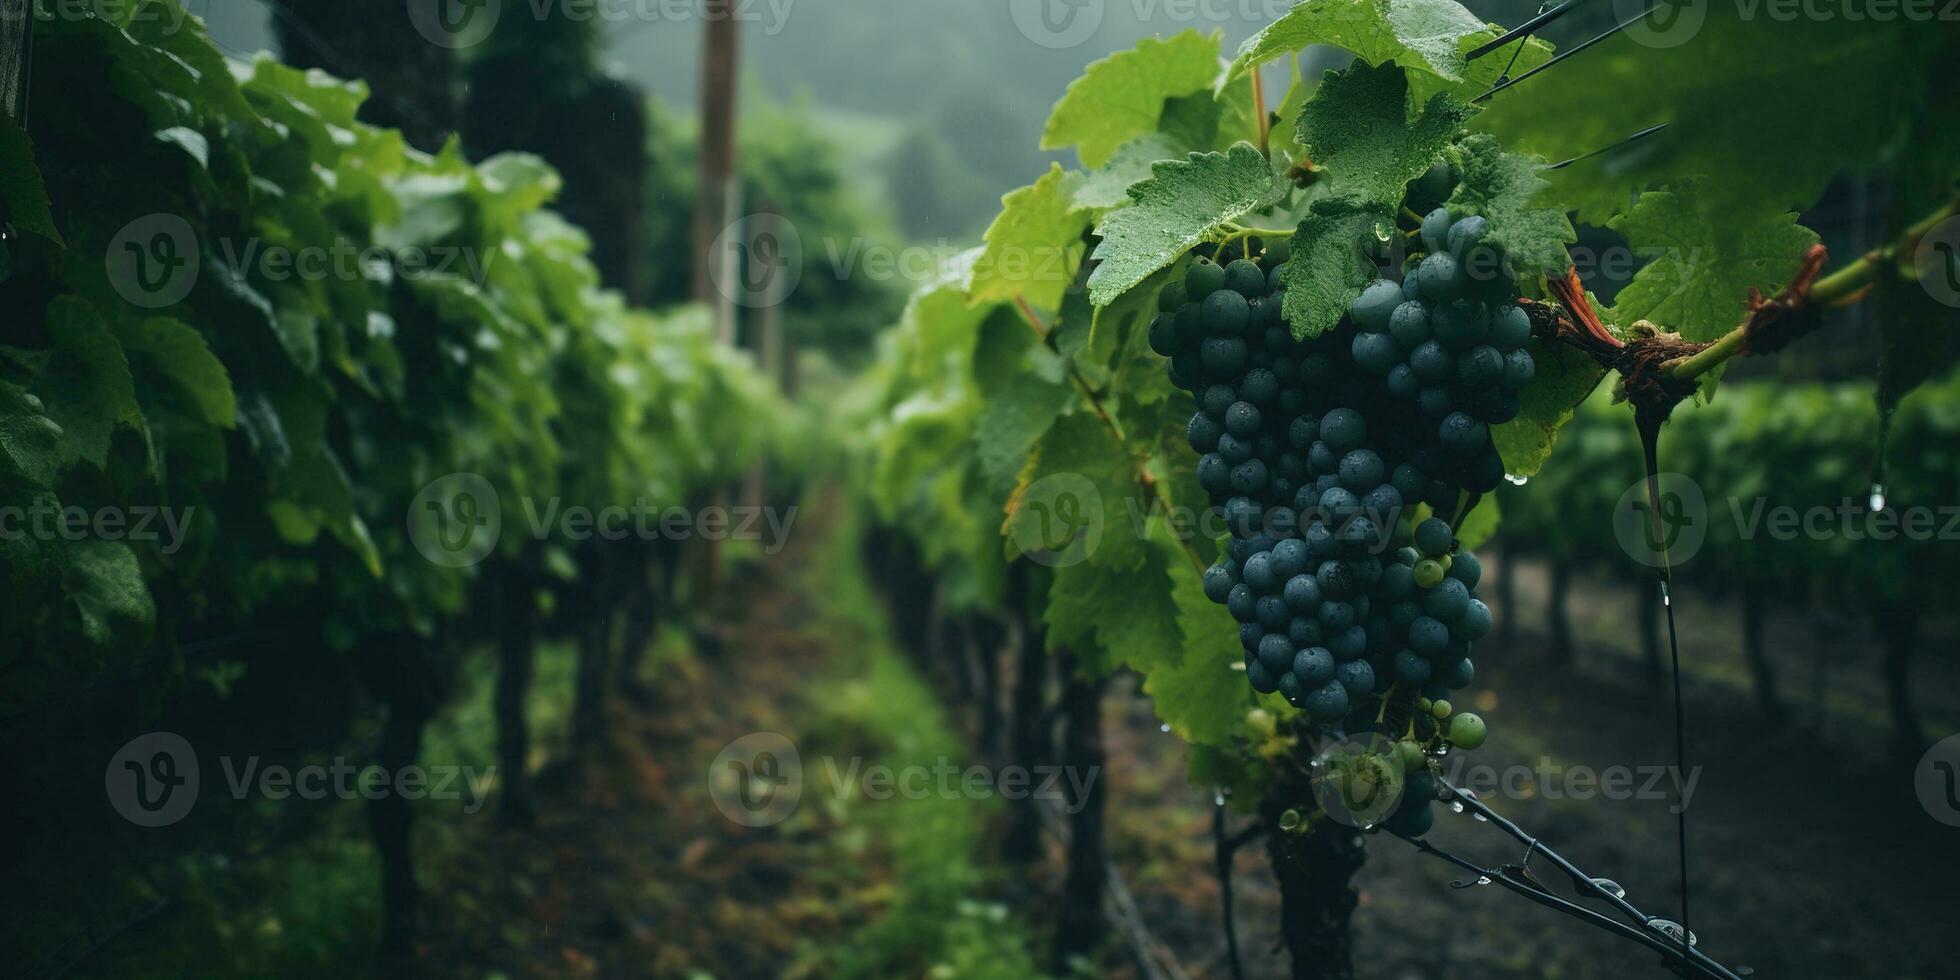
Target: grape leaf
<point x="1727" y="117"/>
<point x="1030" y="244"/>
<point x="1124" y="616"/>
<point x="30" y="442"/>
<point x="176" y="351"/>
<point x="1480" y="525"/>
<point x="1357" y="127"/>
<point x="1331" y="261"/>
<point x="24" y="196"/>
<point x="1122" y="96"/>
<point x="1423" y="34"/>
<point x="1183" y="203"/>
<point x="86" y="387"/>
<point x="1698" y="286"/>
<point x="105" y="583"/>
<point x="1022" y="391"/>
<point x="1079" y="456"/>
<point x="1564" y="378"/>
<point x="1108" y="186"/>
<point x="1501" y="186"/>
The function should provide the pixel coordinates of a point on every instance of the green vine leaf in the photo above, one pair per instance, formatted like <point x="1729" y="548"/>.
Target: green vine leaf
<point x="1709" y="258"/>
<point x="1184" y="202"/>
<point x="1331" y="261"/>
<point x="1424" y="34"/>
<point x="1564" y="377"/>
<point x="1031" y="244"/>
<point x="1501" y="186"/>
<point x="22" y="192"/>
<point x="1357" y="127"/>
<point x="1122" y="96"/>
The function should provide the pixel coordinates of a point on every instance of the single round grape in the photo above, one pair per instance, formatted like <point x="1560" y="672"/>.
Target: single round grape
<point x="1377" y="302"/>
<point x="1411" y="756"/>
<point x="1335" y="616"/>
<point x="1246" y="278"/>
<point x="1250" y="477"/>
<point x="1314" y="665"/>
<point x="1305" y="632"/>
<point x="1219" y="581"/>
<point x="1409" y="325"/>
<point x="1439" y="279"/>
<point x="1235" y="449"/>
<point x="1436" y="230"/>
<point x="1435" y="402"/>
<point x="1320" y="541"/>
<point x="1446" y="602"/>
<point x="1403" y="383"/>
<point x="1289" y="559"/>
<point x="1243" y="419"/>
<point x="1270" y="612"/>
<point x="1480" y="367"/>
<point x="1428" y="637"/>
<point x="1467" y="731"/>
<point x="1434" y="538"/>
<point x="1463" y="436"/>
<point x="1262" y="679"/>
<point x="1289" y="688"/>
<point x="1259" y="575"/>
<point x="1328" y="704"/>
<point x="1204" y="278"/>
<point x="1384" y="503"/>
<point x="1440" y="709"/>
<point x="1224" y="356"/>
<point x="1303" y="432"/>
<point x="1519" y="369"/>
<point x="1362" y="470"/>
<point x="1509" y="328"/>
<point x="1244" y="546"/>
<point x="1375" y="353"/>
<point x="1411" y="820"/>
<point x="1276" y="652"/>
<point x="1242" y="603"/>
<point x="1411" y="669"/>
<point x="1243" y="515"/>
<point x="1214" y="474"/>
<point x="1203" y="433"/>
<point x="1217" y="400"/>
<point x="1458" y="675"/>
<point x="1163" y="334"/>
<point x="1261" y="387"/>
<point x="1274" y="282"/>
<point x="1409" y="481"/>
<point x="1467" y="234"/>
<point x="1476" y="621"/>
<point x="1398" y="581"/>
<point x="1420" y="786"/>
<point x="1358" y="677"/>
<point x="1226" y="314"/>
<point x="1403" y="615"/>
<point x="1349" y="643"/>
<point x="1427" y="574"/>
<point x="1186" y="370"/>
<point x="1358" y="534"/>
<point x="1432" y="363"/>
<point x="1343" y="429"/>
<point x="1461" y="325"/>
<point x="1466" y="568"/>
<point x="1173" y="296"/>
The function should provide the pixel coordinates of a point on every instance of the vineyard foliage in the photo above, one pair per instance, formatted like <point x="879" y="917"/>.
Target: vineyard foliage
<point x="1020" y="386"/>
<point x="291" y="418"/>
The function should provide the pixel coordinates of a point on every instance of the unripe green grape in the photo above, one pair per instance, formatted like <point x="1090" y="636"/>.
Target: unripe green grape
<point x="1439" y="709"/>
<point x="1428" y="573"/>
<point x="1467" y="731"/>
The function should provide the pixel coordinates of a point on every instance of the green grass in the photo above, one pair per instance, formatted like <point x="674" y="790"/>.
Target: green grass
<point x="870" y="698"/>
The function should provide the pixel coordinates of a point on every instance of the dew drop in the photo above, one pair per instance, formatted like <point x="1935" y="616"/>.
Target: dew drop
<point x="1878" y="497"/>
<point x="1483" y="879"/>
<point x="1516" y="480"/>
<point x="1218" y="799"/>
<point x="1672" y="930"/>
<point x="1456" y="806"/>
<point x="1610" y="887"/>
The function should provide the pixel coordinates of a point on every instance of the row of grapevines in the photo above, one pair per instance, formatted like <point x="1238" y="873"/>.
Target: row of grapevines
<point x="293" y="418"/>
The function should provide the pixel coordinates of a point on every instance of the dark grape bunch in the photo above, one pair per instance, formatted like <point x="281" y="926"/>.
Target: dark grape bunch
<point x="1317" y="452"/>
